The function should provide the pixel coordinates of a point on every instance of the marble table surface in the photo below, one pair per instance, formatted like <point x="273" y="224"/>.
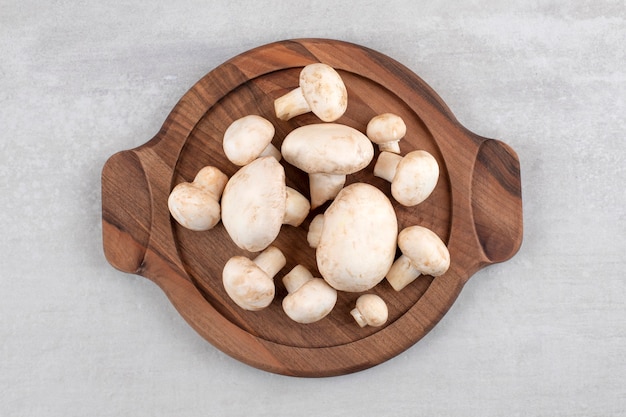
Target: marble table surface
<point x="543" y="334"/>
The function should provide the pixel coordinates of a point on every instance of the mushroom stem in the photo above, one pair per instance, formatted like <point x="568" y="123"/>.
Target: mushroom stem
<point x="315" y="231"/>
<point x="386" y="165"/>
<point x="392" y="146"/>
<point x="271" y="260"/>
<point x="358" y="317"/>
<point x="211" y="180"/>
<point x="325" y="187"/>
<point x="291" y="105"/>
<point x="297" y="207"/>
<point x="402" y="273"/>
<point x="296" y="278"/>
<point x="271" y="150"/>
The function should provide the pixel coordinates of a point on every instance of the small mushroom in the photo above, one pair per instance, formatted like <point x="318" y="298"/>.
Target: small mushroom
<point x="423" y="252"/>
<point x="248" y="138"/>
<point x="370" y="310"/>
<point x="195" y="205"/>
<point x="386" y="130"/>
<point x="327" y="152"/>
<point x="321" y="91"/>
<point x="413" y="177"/>
<point x="310" y="299"/>
<point x="355" y="239"/>
<point x="256" y="203"/>
<point x="250" y="283"/>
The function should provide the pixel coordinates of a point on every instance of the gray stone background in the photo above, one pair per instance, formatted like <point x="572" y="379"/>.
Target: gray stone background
<point x="543" y="334"/>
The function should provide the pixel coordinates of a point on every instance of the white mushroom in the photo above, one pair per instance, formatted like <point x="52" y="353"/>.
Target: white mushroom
<point x="310" y="299"/>
<point x="321" y="91"/>
<point x="370" y="310"/>
<point x="248" y="138"/>
<point x="327" y="152"/>
<point x="423" y="252"/>
<point x="256" y="203"/>
<point x="413" y="177"/>
<point x="386" y="130"/>
<point x="357" y="242"/>
<point x="195" y="205"/>
<point x="250" y="283"/>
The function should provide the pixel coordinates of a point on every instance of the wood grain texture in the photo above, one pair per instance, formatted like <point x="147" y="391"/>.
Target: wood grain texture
<point x="476" y="208"/>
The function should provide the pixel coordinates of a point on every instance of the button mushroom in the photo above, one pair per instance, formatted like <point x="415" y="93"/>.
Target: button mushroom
<point x="321" y="91"/>
<point x="310" y="299"/>
<point x="423" y="252"/>
<point x="386" y="130"/>
<point x="370" y="310"/>
<point x="250" y="283"/>
<point x="256" y="203"/>
<point x="356" y="243"/>
<point x="195" y="205"/>
<point x="413" y="177"/>
<point x="327" y="152"/>
<point x="248" y="138"/>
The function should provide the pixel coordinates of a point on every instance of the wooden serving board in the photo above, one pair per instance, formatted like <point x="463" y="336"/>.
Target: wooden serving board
<point x="476" y="208"/>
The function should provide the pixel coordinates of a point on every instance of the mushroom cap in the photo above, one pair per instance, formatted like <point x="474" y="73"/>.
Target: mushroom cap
<point x="246" y="138"/>
<point x="425" y="249"/>
<point x="386" y="127"/>
<point x="416" y="177"/>
<point x="324" y="91"/>
<point x="358" y="241"/>
<point x="329" y="148"/>
<point x="193" y="208"/>
<point x="247" y="284"/>
<point x="373" y="309"/>
<point x="253" y="204"/>
<point x="311" y="302"/>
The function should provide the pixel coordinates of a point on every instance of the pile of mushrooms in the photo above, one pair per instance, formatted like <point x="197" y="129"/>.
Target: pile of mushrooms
<point x="355" y="238"/>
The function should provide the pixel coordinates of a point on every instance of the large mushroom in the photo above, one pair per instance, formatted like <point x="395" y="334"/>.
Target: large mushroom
<point x="247" y="138"/>
<point x="327" y="152"/>
<point x="195" y="205"/>
<point x="321" y="91"/>
<point x="256" y="202"/>
<point x="250" y="283"/>
<point x="413" y="177"/>
<point x="310" y="299"/>
<point x="423" y="252"/>
<point x="355" y="239"/>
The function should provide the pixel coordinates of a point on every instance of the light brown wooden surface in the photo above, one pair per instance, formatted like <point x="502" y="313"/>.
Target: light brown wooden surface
<point x="476" y="208"/>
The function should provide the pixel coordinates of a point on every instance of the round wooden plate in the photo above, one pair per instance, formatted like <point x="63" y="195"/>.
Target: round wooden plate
<point x="476" y="208"/>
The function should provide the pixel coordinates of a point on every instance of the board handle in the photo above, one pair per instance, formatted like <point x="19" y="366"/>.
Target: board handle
<point x="496" y="200"/>
<point x="126" y="211"/>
